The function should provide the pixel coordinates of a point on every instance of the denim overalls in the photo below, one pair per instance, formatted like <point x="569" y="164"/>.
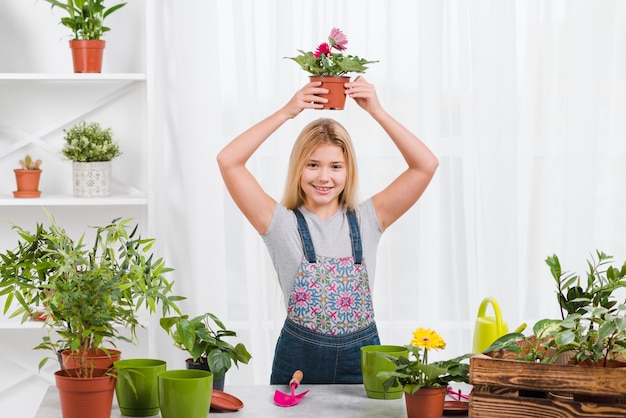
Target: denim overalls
<point x="329" y="315"/>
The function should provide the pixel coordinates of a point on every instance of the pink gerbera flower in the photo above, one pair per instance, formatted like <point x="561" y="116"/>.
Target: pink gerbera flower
<point x="338" y="39"/>
<point x="323" y="48"/>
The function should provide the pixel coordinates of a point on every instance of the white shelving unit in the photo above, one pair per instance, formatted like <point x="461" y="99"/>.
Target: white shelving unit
<point x="40" y="96"/>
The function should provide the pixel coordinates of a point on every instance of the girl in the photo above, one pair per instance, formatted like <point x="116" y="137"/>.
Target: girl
<point x="321" y="240"/>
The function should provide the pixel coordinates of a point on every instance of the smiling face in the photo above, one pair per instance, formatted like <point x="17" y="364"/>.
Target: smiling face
<point x="323" y="179"/>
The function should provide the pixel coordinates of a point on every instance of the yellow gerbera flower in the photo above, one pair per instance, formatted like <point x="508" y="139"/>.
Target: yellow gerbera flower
<point x="428" y="339"/>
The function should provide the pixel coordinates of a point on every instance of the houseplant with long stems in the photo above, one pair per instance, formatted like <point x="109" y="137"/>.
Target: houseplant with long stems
<point x="330" y="65"/>
<point x="87" y="294"/>
<point x="85" y="18"/>
<point x="203" y="338"/>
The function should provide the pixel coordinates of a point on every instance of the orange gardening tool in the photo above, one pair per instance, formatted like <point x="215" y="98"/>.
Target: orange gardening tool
<point x="284" y="399"/>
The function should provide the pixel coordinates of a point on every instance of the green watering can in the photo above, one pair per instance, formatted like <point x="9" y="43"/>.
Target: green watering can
<point x="489" y="328"/>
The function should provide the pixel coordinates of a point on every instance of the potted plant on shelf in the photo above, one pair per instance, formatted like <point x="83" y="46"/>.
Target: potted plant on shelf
<point x="91" y="149"/>
<point x="86" y="18"/>
<point x="27" y="178"/>
<point x="88" y="294"/>
<point x="330" y="65"/>
<point x="205" y="344"/>
<point x="425" y="383"/>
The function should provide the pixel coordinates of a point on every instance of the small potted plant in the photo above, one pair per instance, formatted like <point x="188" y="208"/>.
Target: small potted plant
<point x="27" y="178"/>
<point x="205" y="344"/>
<point x="85" y="18"/>
<point x="424" y="382"/>
<point x="87" y="294"/>
<point x="330" y="65"/>
<point x="91" y="148"/>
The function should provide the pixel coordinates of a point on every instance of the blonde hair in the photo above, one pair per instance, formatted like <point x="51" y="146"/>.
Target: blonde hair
<point x="320" y="132"/>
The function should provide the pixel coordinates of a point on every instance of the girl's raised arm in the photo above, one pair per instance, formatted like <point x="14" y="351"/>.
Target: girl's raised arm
<point x="256" y="205"/>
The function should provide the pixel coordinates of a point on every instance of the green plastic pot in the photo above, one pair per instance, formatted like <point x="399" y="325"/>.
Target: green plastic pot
<point x="143" y="400"/>
<point x="185" y="393"/>
<point x="372" y="363"/>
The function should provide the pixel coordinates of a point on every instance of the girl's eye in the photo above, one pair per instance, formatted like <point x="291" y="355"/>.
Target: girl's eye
<point x="337" y="167"/>
<point x="312" y="165"/>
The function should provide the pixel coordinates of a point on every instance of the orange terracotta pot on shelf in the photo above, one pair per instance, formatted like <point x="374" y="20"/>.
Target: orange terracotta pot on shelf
<point x="87" y="55"/>
<point x="425" y="403"/>
<point x="27" y="183"/>
<point x="336" y="91"/>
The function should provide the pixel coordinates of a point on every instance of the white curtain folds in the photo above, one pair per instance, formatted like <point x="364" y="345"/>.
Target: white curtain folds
<point x="522" y="101"/>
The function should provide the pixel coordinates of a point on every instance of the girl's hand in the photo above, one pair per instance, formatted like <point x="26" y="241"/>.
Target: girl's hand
<point x="306" y="98"/>
<point x="364" y="94"/>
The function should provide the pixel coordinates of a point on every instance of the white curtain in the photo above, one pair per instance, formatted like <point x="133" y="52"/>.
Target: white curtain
<point x="522" y="101"/>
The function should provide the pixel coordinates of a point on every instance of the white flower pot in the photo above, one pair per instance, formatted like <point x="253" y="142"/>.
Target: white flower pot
<point x="92" y="179"/>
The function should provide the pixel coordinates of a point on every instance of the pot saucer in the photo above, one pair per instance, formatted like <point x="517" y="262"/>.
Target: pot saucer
<point x="225" y="402"/>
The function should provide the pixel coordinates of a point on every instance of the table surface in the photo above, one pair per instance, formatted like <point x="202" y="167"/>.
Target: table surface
<point x="322" y="400"/>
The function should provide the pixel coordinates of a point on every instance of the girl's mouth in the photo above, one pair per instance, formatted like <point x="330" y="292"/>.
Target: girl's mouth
<point x="322" y="189"/>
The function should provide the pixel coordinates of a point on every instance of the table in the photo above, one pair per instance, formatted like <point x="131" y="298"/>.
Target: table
<point x="347" y="401"/>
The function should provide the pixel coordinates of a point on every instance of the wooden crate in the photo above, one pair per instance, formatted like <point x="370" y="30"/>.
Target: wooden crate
<point x="498" y="382"/>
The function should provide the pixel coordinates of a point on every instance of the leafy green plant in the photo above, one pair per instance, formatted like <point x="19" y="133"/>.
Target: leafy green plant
<point x="592" y="328"/>
<point x="594" y="320"/>
<point x="89" y="142"/>
<point x="205" y="343"/>
<point x="329" y="60"/>
<point x="29" y="164"/>
<point x="416" y="372"/>
<point x="86" y="17"/>
<point x="86" y="294"/>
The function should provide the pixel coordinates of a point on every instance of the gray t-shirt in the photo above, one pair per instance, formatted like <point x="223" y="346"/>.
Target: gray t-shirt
<point x="331" y="238"/>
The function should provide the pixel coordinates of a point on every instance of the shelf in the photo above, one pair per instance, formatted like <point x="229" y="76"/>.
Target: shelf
<point x="72" y="76"/>
<point x="59" y="200"/>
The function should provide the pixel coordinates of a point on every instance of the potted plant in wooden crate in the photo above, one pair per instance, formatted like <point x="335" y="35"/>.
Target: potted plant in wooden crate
<point x="87" y="294"/>
<point x="85" y="18"/>
<point x="330" y="65"/>
<point x="27" y="178"/>
<point x="590" y="332"/>
<point x="206" y="345"/>
<point x="91" y="148"/>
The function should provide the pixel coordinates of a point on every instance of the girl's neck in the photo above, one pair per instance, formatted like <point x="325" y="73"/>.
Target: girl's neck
<point x="322" y="211"/>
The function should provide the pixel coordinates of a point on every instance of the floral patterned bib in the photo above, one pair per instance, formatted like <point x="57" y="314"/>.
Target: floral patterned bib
<point x="331" y="295"/>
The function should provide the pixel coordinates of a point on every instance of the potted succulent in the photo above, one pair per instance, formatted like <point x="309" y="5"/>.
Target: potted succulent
<point x="87" y="295"/>
<point x="91" y="148"/>
<point x="27" y="178"/>
<point x="330" y="65"/>
<point x="205" y="344"/>
<point x="425" y="383"/>
<point x="85" y="18"/>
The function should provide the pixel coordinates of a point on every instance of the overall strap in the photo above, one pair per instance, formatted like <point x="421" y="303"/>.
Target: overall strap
<point x="355" y="234"/>
<point x="305" y="236"/>
<point x="307" y="241"/>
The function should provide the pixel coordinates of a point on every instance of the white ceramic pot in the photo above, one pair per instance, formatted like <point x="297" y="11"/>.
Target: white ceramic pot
<point x="92" y="179"/>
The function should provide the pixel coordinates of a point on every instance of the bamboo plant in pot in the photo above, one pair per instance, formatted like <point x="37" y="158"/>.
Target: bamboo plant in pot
<point x="87" y="294"/>
<point x="86" y="18"/>
<point x="206" y="345"/>
<point x="27" y="178"/>
<point x="330" y="65"/>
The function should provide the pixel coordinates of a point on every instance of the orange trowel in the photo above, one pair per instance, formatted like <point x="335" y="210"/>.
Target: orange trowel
<point x="283" y="399"/>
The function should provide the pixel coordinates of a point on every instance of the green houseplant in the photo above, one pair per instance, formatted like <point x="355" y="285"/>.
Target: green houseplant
<point x="85" y="18"/>
<point x="592" y="327"/>
<point x="418" y="376"/>
<point x="329" y="64"/>
<point x="91" y="148"/>
<point x="86" y="294"/>
<point x="27" y="178"/>
<point x="203" y="338"/>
